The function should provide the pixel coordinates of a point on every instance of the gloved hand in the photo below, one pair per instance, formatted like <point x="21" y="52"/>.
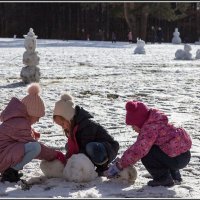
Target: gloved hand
<point x="113" y="170"/>
<point x="60" y="156"/>
<point x="35" y="135"/>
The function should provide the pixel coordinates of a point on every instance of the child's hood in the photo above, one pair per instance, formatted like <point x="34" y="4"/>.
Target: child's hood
<point x="81" y="114"/>
<point x="15" y="108"/>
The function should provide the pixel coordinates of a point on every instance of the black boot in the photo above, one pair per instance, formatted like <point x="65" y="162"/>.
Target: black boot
<point x="176" y="175"/>
<point x="101" y="169"/>
<point x="163" y="181"/>
<point x="10" y="175"/>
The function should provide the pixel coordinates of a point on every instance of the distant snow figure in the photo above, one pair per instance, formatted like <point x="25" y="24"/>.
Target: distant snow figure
<point x="140" y="47"/>
<point x="185" y="54"/>
<point x="79" y="169"/>
<point x="52" y="169"/>
<point x="176" y="39"/>
<point x="198" y="54"/>
<point x="129" y="174"/>
<point x="30" y="73"/>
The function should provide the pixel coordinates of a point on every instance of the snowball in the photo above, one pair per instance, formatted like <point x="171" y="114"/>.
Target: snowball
<point x="129" y="174"/>
<point x="52" y="169"/>
<point x="179" y="54"/>
<point x="79" y="168"/>
<point x="187" y="47"/>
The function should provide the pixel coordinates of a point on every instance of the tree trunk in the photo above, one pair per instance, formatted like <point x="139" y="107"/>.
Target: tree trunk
<point x="197" y="25"/>
<point x="143" y="24"/>
<point x="107" y="22"/>
<point x="130" y="19"/>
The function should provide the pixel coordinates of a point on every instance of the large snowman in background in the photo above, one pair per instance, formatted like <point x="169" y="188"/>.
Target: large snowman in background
<point x="30" y="73"/>
<point x="176" y="37"/>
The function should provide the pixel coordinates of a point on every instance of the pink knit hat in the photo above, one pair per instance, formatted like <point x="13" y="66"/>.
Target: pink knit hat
<point x="136" y="113"/>
<point x="33" y="102"/>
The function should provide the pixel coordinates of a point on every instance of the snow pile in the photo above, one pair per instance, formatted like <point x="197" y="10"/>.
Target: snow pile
<point x="88" y="194"/>
<point x="52" y="169"/>
<point x="79" y="168"/>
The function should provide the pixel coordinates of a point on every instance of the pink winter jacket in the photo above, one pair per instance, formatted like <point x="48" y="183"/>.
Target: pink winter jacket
<point x="157" y="131"/>
<point x="15" y="131"/>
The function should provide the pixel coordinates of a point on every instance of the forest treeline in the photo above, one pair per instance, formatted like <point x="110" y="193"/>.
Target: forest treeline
<point x="77" y="21"/>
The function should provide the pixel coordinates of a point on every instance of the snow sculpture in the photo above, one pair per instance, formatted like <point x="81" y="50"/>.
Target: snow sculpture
<point x="30" y="73"/>
<point x="198" y="54"/>
<point x="52" y="169"/>
<point x="185" y="54"/>
<point x="176" y="39"/>
<point x="79" y="168"/>
<point x="140" y="47"/>
<point x="128" y="174"/>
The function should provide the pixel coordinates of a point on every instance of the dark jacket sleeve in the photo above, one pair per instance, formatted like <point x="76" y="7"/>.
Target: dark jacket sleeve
<point x="94" y="132"/>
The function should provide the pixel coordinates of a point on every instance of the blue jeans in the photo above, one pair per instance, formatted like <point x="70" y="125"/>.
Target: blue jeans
<point x="97" y="153"/>
<point x="32" y="149"/>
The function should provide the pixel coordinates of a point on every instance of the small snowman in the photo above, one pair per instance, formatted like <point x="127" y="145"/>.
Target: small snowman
<point x="140" y="47"/>
<point x="176" y="39"/>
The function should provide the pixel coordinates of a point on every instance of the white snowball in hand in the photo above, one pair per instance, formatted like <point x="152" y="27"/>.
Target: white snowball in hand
<point x="129" y="174"/>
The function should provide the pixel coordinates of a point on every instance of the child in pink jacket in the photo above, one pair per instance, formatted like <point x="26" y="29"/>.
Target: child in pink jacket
<point x="18" y="141"/>
<point x="162" y="148"/>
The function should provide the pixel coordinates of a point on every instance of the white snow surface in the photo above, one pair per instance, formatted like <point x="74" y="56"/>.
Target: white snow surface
<point x="102" y="76"/>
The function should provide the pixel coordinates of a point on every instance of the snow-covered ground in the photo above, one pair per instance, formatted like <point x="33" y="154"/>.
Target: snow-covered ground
<point x="102" y="76"/>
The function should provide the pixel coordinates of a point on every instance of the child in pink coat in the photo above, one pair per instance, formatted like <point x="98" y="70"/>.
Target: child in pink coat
<point x="162" y="148"/>
<point x="18" y="141"/>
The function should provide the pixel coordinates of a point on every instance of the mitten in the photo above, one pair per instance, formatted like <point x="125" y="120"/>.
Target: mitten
<point x="35" y="134"/>
<point x="113" y="170"/>
<point x="60" y="156"/>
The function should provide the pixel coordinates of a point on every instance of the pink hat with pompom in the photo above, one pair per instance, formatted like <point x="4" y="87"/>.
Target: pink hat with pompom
<point x="33" y="102"/>
<point x="136" y="113"/>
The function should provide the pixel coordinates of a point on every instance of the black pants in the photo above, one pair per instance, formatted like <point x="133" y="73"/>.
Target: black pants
<point x="159" y="164"/>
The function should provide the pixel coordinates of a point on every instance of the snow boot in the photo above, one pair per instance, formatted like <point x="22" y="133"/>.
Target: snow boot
<point x="101" y="169"/>
<point x="176" y="175"/>
<point x="164" y="181"/>
<point x="10" y="175"/>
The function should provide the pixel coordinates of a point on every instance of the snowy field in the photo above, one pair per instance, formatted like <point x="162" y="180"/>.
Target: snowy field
<point x="102" y="76"/>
